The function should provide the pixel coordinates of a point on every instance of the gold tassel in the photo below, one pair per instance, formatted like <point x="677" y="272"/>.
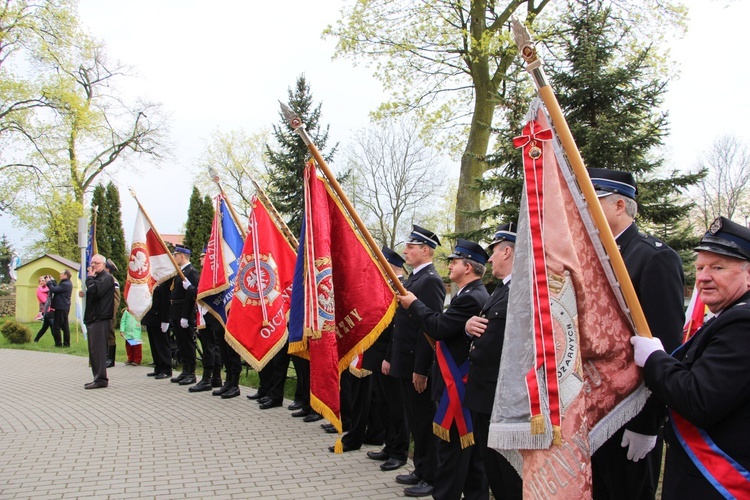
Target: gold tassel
<point x="440" y="432"/>
<point x="266" y="323"/>
<point x="338" y="447"/>
<point x="467" y="440"/>
<point x="537" y="424"/>
<point x="556" y="435"/>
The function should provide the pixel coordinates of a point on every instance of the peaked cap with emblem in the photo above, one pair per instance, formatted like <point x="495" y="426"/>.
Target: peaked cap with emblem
<point x="466" y="249"/>
<point x="422" y="236"/>
<point x="726" y="238"/>
<point x="393" y="257"/>
<point x="182" y="249"/>
<point x="505" y="232"/>
<point x="607" y="182"/>
<point x="111" y="267"/>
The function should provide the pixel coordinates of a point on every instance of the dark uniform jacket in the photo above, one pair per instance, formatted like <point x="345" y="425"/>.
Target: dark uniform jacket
<point x="159" y="312"/>
<point x="656" y="272"/>
<point x="100" y="298"/>
<point x="450" y="326"/>
<point x="62" y="292"/>
<point x="372" y="359"/>
<point x="183" y="301"/>
<point x="409" y="351"/>
<point x="708" y="383"/>
<point x="484" y="355"/>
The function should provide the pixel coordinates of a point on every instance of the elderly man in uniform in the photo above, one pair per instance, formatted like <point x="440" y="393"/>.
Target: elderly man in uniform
<point x="409" y="358"/>
<point x="100" y="308"/>
<point x="706" y="382"/>
<point x="488" y="332"/>
<point x="627" y="465"/>
<point x="459" y="466"/>
<point x="182" y="313"/>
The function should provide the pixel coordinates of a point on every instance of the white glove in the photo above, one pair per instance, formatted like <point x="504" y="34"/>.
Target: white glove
<point x="186" y="284"/>
<point x="184" y="322"/>
<point x="638" y="444"/>
<point x="164" y="327"/>
<point x="644" y="346"/>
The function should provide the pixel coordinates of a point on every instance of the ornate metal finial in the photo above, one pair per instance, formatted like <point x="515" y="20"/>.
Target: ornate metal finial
<point x="524" y="41"/>
<point x="294" y="121"/>
<point x="132" y="191"/>
<point x="95" y="208"/>
<point x="214" y="174"/>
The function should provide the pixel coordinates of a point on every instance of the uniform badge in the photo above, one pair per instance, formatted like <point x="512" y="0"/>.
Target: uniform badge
<point x="715" y="226"/>
<point x="253" y="281"/>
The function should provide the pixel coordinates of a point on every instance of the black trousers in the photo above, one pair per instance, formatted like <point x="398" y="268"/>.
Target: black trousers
<point x="502" y="478"/>
<point x="211" y="358"/>
<point x="229" y="357"/>
<point x="420" y="411"/>
<point x="186" y="345"/>
<point x="302" y="372"/>
<point x="275" y="377"/>
<point x="388" y="396"/>
<point x="614" y="476"/>
<point x="459" y="471"/>
<point x="97" y="339"/>
<point x="160" y="349"/>
<point x="47" y="324"/>
<point x="360" y="390"/>
<point x="61" y="323"/>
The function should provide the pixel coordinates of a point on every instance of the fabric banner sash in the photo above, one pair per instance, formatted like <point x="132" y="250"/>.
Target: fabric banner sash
<point x="724" y="473"/>
<point x="450" y="409"/>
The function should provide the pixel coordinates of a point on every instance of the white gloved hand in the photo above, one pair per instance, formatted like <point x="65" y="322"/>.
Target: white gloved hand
<point x="644" y="346"/>
<point x="184" y="322"/>
<point x="164" y="327"/>
<point x="638" y="444"/>
<point x="186" y="284"/>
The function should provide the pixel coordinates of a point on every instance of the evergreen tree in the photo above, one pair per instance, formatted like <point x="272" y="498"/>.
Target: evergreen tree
<point x="6" y="251"/>
<point x="115" y="232"/>
<point x="286" y="164"/>
<point x="198" y="225"/>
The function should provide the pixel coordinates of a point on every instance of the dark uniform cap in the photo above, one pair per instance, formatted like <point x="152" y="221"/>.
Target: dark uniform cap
<point x="607" y="182"/>
<point x="505" y="232"/>
<point x="111" y="267"/>
<point x="466" y="249"/>
<point x="393" y="257"/>
<point x="726" y="238"/>
<point x="182" y="249"/>
<point x="203" y="252"/>
<point x="422" y="236"/>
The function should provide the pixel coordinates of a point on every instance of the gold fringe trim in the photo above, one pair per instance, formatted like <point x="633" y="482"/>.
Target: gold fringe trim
<point x="212" y="291"/>
<point x="326" y="412"/>
<point x="467" y="440"/>
<point x="359" y="372"/>
<point x="240" y="349"/>
<point x="556" y="435"/>
<point x="370" y="338"/>
<point x="314" y="334"/>
<point x="338" y="448"/>
<point x="537" y="424"/>
<point x="299" y="349"/>
<point x="441" y="432"/>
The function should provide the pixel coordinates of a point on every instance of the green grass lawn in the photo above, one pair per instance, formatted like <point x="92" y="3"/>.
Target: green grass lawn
<point x="79" y="347"/>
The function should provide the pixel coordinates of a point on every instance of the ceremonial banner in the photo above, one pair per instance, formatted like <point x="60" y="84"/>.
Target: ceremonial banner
<point x="91" y="250"/>
<point x="697" y="313"/>
<point x="341" y="298"/>
<point x="149" y="264"/>
<point x="257" y="323"/>
<point x="219" y="272"/>
<point x="567" y="378"/>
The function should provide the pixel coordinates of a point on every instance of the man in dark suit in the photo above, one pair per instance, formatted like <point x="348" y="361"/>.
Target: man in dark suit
<point x="488" y="332"/>
<point x="706" y="382"/>
<point x="459" y="467"/>
<point x="100" y="309"/>
<point x="409" y="356"/>
<point x="61" y="304"/>
<point x="627" y="465"/>
<point x="156" y="322"/>
<point x="182" y="313"/>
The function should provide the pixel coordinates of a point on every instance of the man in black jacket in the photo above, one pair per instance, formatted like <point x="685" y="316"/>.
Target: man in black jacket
<point x="156" y="322"/>
<point x="61" y="304"/>
<point x="100" y="308"/>
<point x="459" y="468"/>
<point x="706" y="382"/>
<point x="182" y="313"/>
<point x="488" y="332"/>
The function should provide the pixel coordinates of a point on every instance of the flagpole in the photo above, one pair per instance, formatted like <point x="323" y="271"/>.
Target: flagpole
<point x="158" y="236"/>
<point x="296" y="123"/>
<point x="528" y="52"/>
<point x="215" y="177"/>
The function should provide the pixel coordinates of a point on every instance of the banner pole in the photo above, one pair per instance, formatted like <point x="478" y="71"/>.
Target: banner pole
<point x="215" y="177"/>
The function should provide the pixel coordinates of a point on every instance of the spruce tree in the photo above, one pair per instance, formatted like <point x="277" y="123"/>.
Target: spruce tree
<point x="6" y="251"/>
<point x="287" y="163"/>
<point x="198" y="226"/>
<point x="115" y="232"/>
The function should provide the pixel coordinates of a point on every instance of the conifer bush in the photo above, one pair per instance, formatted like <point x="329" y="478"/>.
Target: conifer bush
<point x="15" y="332"/>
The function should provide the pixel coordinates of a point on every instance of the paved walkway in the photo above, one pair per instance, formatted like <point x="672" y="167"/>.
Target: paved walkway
<point x="145" y="438"/>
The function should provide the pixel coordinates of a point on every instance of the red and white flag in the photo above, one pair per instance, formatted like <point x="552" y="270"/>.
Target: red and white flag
<point x="697" y="313"/>
<point x="149" y="265"/>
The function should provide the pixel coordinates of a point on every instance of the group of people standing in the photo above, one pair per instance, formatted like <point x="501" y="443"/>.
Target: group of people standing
<point x="54" y="307"/>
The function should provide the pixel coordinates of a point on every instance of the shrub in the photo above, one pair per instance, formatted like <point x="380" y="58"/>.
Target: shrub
<point x="15" y="332"/>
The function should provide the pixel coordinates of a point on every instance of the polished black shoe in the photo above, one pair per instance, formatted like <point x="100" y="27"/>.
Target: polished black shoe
<point x="392" y="464"/>
<point x="302" y="413"/>
<point x="326" y="425"/>
<point x="331" y="430"/>
<point x="420" y="489"/>
<point x="221" y="390"/>
<point x="378" y="455"/>
<point x="216" y="382"/>
<point x="408" y="479"/>
<point x="264" y="399"/>
<point x="270" y="404"/>
<point x="188" y="380"/>
<point x="152" y="374"/>
<point x="345" y="448"/>
<point x="232" y="392"/>
<point x="255" y="396"/>
<point x="179" y="378"/>
<point x="312" y="417"/>
<point x="161" y="376"/>
<point x="203" y="385"/>
<point x="108" y="364"/>
<point x="297" y="405"/>
<point x="96" y="385"/>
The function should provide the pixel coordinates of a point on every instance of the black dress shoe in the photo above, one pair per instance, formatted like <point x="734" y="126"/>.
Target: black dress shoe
<point x="312" y="417"/>
<point x="326" y="425"/>
<point x="408" y="479"/>
<point x="179" y="378"/>
<point x="160" y="376"/>
<point x="378" y="455"/>
<point x="108" y="364"/>
<point x="189" y="380"/>
<point x="392" y="464"/>
<point x="420" y="489"/>
<point x="295" y="406"/>
<point x="152" y="374"/>
<point x="331" y="430"/>
<point x="264" y="399"/>
<point x="345" y="448"/>
<point x="232" y="392"/>
<point x="257" y="395"/>
<point x="221" y="390"/>
<point x="96" y="385"/>
<point x="270" y="404"/>
<point x="203" y="385"/>
<point x="302" y="413"/>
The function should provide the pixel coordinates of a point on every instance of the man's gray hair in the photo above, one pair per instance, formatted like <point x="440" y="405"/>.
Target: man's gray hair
<point x="478" y="268"/>
<point x="631" y="207"/>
